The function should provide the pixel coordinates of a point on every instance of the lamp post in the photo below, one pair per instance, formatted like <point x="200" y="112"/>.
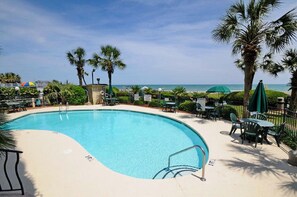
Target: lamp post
<point x="17" y="90"/>
<point x="98" y="80"/>
<point x="93" y="76"/>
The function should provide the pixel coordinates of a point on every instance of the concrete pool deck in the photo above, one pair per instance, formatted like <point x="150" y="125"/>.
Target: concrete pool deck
<point x="53" y="164"/>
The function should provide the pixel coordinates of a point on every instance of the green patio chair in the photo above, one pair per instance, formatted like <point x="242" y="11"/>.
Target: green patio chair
<point x="252" y="130"/>
<point x="277" y="132"/>
<point x="215" y="114"/>
<point x="236" y="124"/>
<point x="259" y="116"/>
<point x="199" y="111"/>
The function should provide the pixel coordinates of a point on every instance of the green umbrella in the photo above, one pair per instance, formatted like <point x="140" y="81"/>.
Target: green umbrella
<point x="258" y="101"/>
<point x="219" y="89"/>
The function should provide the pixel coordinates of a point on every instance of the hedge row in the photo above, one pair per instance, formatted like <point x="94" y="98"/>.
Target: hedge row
<point x="24" y="92"/>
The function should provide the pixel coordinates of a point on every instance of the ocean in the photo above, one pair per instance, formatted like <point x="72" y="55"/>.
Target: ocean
<point x="205" y="87"/>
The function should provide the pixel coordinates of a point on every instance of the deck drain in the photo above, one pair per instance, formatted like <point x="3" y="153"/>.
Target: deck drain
<point x="89" y="157"/>
<point x="211" y="162"/>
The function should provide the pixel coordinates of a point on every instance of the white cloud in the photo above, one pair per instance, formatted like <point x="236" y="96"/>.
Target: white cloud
<point x="164" y="48"/>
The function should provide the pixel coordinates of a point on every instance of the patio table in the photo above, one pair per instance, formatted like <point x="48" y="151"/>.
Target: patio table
<point x="262" y="123"/>
<point x="15" y="106"/>
<point x="111" y="101"/>
<point x="170" y="106"/>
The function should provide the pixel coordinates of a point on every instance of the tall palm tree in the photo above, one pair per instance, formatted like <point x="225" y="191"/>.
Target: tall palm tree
<point x="246" y="26"/>
<point x="108" y="61"/>
<point x="76" y="58"/>
<point x="290" y="62"/>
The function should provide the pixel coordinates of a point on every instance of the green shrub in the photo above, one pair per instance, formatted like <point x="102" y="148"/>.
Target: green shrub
<point x="123" y="93"/>
<point x="272" y="97"/>
<point x="188" y="106"/>
<point x="236" y="98"/>
<point x="199" y="95"/>
<point x="124" y="99"/>
<point x="154" y="104"/>
<point x="115" y="90"/>
<point x="24" y="92"/>
<point x="74" y="95"/>
<point x="226" y="110"/>
<point x="290" y="139"/>
<point x="138" y="102"/>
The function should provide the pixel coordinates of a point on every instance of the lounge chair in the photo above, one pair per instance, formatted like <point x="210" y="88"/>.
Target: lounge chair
<point x="236" y="124"/>
<point x="252" y="130"/>
<point x="277" y="132"/>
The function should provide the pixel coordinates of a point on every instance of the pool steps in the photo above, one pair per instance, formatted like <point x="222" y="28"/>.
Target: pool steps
<point x="171" y="170"/>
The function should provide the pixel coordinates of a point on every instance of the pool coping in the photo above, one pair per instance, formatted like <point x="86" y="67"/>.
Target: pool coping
<point x="225" y="175"/>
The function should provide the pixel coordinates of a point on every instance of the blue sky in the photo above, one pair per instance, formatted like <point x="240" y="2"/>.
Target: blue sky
<point x="161" y="41"/>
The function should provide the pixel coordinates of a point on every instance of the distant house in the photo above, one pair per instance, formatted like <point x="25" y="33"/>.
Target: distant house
<point x="40" y="85"/>
<point x="9" y="85"/>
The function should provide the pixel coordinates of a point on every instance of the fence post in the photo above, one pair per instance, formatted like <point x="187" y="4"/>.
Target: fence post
<point x="285" y="110"/>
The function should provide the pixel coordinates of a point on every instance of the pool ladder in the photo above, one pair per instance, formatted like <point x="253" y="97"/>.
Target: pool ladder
<point x="183" y="168"/>
<point x="61" y="108"/>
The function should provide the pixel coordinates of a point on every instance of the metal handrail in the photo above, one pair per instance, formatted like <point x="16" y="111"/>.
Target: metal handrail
<point x="11" y="188"/>
<point x="186" y="149"/>
<point x="61" y="107"/>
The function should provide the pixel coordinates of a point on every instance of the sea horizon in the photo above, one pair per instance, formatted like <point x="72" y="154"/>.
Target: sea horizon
<point x="205" y="87"/>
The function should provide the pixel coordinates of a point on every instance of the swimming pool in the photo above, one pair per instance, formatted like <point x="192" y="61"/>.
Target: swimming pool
<point x="131" y="143"/>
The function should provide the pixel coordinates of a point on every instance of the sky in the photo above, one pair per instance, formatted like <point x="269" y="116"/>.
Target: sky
<point x="161" y="41"/>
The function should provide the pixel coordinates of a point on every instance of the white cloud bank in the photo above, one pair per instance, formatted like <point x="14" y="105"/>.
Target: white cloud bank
<point x="170" y="45"/>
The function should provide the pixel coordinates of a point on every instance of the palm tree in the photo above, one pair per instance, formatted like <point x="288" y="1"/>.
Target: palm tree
<point x="108" y="61"/>
<point x="10" y="78"/>
<point x="135" y="89"/>
<point x="290" y="62"/>
<point x="76" y="58"/>
<point x="246" y="27"/>
<point x="178" y="92"/>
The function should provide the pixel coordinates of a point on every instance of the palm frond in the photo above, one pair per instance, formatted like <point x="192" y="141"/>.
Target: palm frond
<point x="270" y="65"/>
<point x="6" y="139"/>
<point x="290" y="60"/>
<point x="238" y="9"/>
<point x="283" y="31"/>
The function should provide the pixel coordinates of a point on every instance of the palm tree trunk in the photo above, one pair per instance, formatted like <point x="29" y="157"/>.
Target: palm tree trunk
<point x="249" y="73"/>
<point x="83" y="77"/>
<point x="293" y="101"/>
<point x="79" y="76"/>
<point x="109" y="82"/>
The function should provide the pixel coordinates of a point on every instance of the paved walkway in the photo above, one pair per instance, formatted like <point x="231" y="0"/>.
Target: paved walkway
<point x="55" y="165"/>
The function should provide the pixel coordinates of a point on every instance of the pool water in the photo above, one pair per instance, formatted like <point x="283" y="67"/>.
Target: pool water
<point x="131" y="143"/>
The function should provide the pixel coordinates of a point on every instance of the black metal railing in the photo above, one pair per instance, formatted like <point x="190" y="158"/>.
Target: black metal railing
<point x="6" y="153"/>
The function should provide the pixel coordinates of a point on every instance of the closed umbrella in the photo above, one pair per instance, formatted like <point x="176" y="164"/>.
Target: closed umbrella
<point x="258" y="101"/>
<point x="219" y="89"/>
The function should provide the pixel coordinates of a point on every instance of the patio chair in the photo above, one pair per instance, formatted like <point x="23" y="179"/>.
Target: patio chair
<point x="214" y="114"/>
<point x="198" y="109"/>
<point x="252" y="130"/>
<point x="236" y="124"/>
<point x="277" y="132"/>
<point x="23" y="106"/>
<point x="259" y="116"/>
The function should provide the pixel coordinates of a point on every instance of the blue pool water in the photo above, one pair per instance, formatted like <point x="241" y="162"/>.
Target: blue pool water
<point x="132" y="143"/>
